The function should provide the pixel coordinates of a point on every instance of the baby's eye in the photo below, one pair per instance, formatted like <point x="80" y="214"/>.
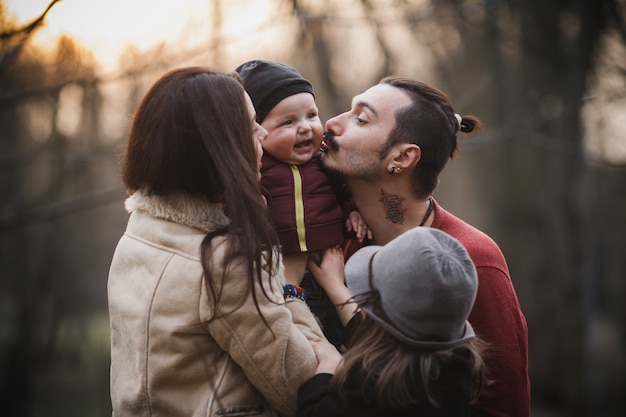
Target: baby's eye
<point x="359" y="121"/>
<point x="287" y="123"/>
<point x="312" y="115"/>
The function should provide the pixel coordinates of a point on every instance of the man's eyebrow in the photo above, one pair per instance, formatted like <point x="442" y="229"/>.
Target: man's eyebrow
<point x="367" y="106"/>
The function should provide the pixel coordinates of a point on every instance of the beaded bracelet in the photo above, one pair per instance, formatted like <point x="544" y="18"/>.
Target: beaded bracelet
<point x="294" y="291"/>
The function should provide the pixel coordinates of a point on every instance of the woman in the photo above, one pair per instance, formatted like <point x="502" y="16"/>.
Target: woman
<point x="195" y="282"/>
<point x="413" y="352"/>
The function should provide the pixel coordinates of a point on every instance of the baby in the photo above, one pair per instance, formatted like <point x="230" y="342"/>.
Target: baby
<point x="306" y="207"/>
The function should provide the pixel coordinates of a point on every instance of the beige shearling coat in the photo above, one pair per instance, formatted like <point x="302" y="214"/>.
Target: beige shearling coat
<point x="166" y="358"/>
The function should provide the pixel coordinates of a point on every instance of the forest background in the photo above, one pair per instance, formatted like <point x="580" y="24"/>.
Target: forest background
<point x="546" y="178"/>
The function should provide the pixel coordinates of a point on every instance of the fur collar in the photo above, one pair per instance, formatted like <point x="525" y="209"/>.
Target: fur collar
<point x="187" y="209"/>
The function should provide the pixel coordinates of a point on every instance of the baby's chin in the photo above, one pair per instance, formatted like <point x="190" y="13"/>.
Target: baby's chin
<point x="302" y="157"/>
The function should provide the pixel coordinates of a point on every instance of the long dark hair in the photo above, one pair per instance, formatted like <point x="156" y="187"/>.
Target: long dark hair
<point x="430" y="123"/>
<point x="390" y="374"/>
<point x="192" y="133"/>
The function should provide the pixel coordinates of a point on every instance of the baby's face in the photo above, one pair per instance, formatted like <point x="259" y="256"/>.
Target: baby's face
<point x="294" y="130"/>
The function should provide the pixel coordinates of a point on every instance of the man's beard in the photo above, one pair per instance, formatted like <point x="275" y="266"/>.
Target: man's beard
<point x="350" y="165"/>
<point x="333" y="172"/>
<point x="330" y="145"/>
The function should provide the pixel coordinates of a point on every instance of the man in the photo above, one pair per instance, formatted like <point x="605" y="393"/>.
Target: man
<point x="390" y="148"/>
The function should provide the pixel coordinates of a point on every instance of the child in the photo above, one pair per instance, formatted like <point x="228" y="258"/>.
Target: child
<point x="413" y="352"/>
<point x="303" y="202"/>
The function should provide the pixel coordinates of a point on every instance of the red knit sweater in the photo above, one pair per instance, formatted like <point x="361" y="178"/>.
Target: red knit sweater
<point x="497" y="319"/>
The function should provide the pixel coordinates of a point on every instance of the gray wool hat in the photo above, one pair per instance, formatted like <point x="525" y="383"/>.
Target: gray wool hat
<point x="268" y="83"/>
<point x="427" y="285"/>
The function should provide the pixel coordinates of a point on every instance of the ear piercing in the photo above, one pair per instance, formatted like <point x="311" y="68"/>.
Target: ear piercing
<point x="393" y="170"/>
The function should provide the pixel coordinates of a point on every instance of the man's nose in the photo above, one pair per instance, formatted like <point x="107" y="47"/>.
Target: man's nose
<point x="333" y="125"/>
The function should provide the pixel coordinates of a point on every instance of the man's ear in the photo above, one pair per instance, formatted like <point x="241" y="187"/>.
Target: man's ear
<point x="407" y="155"/>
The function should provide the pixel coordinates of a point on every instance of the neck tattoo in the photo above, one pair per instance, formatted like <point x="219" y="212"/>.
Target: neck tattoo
<point x="392" y="204"/>
<point x="431" y="207"/>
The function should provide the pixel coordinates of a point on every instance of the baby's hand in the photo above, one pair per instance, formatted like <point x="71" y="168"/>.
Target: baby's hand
<point x="327" y="356"/>
<point x="356" y="224"/>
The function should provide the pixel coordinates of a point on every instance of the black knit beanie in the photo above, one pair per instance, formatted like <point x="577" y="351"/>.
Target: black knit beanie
<point x="268" y="83"/>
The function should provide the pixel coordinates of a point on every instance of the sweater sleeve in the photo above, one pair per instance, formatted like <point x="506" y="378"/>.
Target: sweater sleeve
<point x="497" y="318"/>
<point x="315" y="397"/>
<point x="274" y="354"/>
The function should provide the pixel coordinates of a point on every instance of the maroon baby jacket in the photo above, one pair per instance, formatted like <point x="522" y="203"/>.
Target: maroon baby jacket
<point x="303" y="205"/>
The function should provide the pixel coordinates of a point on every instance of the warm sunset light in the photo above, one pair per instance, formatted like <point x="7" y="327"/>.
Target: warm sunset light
<point x="108" y="27"/>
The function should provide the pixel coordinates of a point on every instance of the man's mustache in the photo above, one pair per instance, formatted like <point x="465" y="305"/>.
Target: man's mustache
<point x="329" y="140"/>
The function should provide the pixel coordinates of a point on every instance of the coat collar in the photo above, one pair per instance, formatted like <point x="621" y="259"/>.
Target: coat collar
<point x="183" y="208"/>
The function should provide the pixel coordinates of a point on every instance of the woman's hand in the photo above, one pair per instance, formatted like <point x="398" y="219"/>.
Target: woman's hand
<point x="327" y="356"/>
<point x="329" y="275"/>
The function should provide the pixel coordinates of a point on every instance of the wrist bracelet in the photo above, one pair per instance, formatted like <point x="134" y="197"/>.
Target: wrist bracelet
<point x="294" y="291"/>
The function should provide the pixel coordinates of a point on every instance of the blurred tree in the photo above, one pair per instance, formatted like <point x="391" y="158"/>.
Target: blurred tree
<point x="14" y="38"/>
<point x="38" y="276"/>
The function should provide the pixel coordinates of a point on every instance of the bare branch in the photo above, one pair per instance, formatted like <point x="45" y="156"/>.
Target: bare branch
<point x="29" y="28"/>
<point x="20" y="36"/>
